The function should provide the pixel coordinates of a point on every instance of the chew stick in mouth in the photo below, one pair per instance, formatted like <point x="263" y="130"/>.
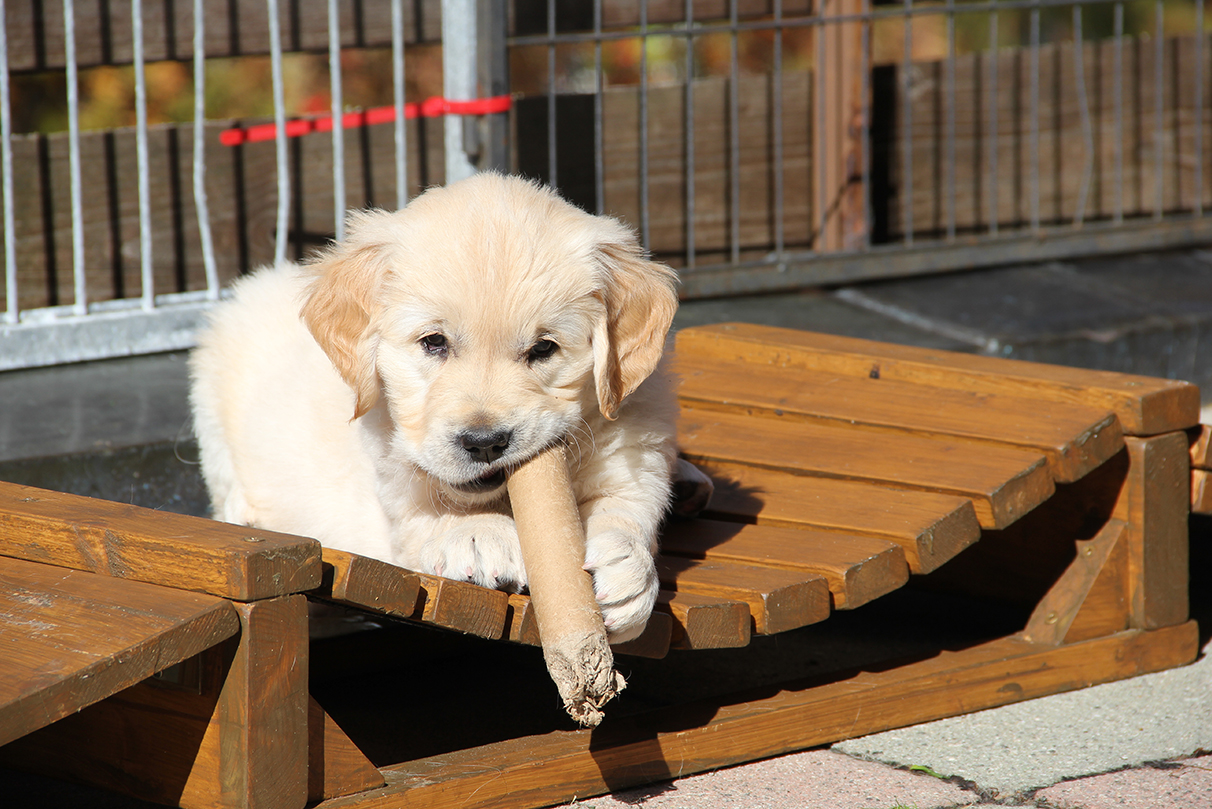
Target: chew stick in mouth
<point x="575" y="646"/>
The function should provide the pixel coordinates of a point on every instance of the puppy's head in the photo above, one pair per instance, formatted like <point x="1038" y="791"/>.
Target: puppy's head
<point x="493" y="318"/>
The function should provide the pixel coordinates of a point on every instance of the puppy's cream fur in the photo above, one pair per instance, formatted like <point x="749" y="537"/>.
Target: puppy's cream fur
<point x="377" y="398"/>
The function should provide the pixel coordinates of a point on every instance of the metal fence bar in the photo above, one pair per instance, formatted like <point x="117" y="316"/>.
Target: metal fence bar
<point x="950" y="135"/>
<point x="459" y="75"/>
<point x="689" y="129"/>
<point x="645" y="213"/>
<point x="397" y="95"/>
<point x="734" y="136"/>
<point x="12" y="309"/>
<point x="1159" y="120"/>
<point x="1083" y="103"/>
<point x="599" y="168"/>
<point x="80" y="303"/>
<point x="907" y="126"/>
<point x="200" y="202"/>
<point x="994" y="139"/>
<point x="776" y="125"/>
<point x="1200" y="36"/>
<point x="865" y="137"/>
<point x="1035" y="184"/>
<point x="283" y="166"/>
<point x="552" y="163"/>
<point x="1118" y="102"/>
<point x="338" y="112"/>
<point x="145" y="234"/>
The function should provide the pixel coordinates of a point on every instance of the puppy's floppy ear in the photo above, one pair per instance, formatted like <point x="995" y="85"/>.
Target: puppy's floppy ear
<point x="340" y="307"/>
<point x="640" y="302"/>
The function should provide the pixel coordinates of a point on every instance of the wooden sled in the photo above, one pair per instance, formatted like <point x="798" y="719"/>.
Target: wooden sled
<point x="167" y="657"/>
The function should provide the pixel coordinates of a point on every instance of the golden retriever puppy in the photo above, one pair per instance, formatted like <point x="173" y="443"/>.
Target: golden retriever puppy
<point x="377" y="398"/>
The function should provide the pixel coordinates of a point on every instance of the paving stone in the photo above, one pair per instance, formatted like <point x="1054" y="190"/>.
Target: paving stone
<point x="1169" y="785"/>
<point x="816" y="779"/>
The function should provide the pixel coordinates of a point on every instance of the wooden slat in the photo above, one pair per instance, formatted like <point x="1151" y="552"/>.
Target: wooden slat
<point x="581" y="764"/>
<point x="1074" y="438"/>
<point x="778" y="600"/>
<point x="1154" y="502"/>
<point x="653" y="642"/>
<point x="931" y="528"/>
<point x="175" y="550"/>
<point x="1201" y="491"/>
<point x="857" y="568"/>
<point x="1201" y="446"/>
<point x="705" y="622"/>
<point x="1003" y="483"/>
<point x="1144" y="405"/>
<point x="360" y="581"/>
<point x="70" y="638"/>
<point x="461" y="606"/>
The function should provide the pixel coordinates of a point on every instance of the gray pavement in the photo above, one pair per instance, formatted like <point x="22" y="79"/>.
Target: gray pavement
<point x="119" y="430"/>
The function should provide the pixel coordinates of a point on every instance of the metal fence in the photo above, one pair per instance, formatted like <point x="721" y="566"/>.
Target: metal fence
<point x="754" y="144"/>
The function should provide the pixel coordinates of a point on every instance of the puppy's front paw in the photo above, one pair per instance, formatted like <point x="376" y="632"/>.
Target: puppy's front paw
<point x="624" y="580"/>
<point x="479" y="548"/>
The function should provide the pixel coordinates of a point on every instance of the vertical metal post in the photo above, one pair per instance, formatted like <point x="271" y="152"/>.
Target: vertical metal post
<point x="493" y="72"/>
<point x="690" y="159"/>
<point x="950" y="167"/>
<point x="552" y="162"/>
<point x="1200" y="36"/>
<point x="1159" y="110"/>
<point x="338" y="123"/>
<point x="1035" y="186"/>
<point x="645" y="224"/>
<point x="1079" y="77"/>
<point x="283" y="166"/>
<point x="599" y="160"/>
<point x="11" y="309"/>
<point x="397" y="90"/>
<point x="145" y="233"/>
<point x="80" y="304"/>
<point x="200" y="203"/>
<point x="907" y="126"/>
<point x="1118" y="103"/>
<point x="776" y="124"/>
<point x="458" y="82"/>
<point x="992" y="96"/>
<point x="734" y="136"/>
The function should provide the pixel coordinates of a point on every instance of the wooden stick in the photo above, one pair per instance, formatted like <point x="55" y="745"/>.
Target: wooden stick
<point x="573" y="635"/>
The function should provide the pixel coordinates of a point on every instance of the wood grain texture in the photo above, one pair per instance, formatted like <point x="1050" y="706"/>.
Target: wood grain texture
<point x="335" y="765"/>
<point x="71" y="639"/>
<point x="1144" y="405"/>
<point x="857" y="568"/>
<point x="779" y="600"/>
<point x="175" y="550"/>
<point x="1154" y="502"/>
<point x="1091" y="598"/>
<point x="1003" y="483"/>
<point x="461" y="606"/>
<point x="653" y="642"/>
<point x="366" y="583"/>
<point x="1201" y="446"/>
<point x="578" y="764"/>
<point x="930" y="527"/>
<point x="1074" y="438"/>
<point x="705" y="622"/>
<point x="236" y="741"/>
<point x="1201" y="491"/>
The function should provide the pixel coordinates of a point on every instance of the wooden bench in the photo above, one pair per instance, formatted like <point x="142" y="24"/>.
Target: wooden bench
<point x="844" y="470"/>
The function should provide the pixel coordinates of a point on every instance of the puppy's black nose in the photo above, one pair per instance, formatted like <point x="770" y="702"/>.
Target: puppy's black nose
<point x="485" y="446"/>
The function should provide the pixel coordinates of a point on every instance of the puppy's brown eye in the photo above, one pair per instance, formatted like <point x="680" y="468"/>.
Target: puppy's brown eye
<point x="434" y="344"/>
<point x="541" y="350"/>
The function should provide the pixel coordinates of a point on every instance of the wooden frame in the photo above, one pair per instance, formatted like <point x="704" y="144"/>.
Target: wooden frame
<point x="1077" y="485"/>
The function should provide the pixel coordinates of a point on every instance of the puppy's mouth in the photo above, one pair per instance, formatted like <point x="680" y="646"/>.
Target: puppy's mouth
<point x="487" y="482"/>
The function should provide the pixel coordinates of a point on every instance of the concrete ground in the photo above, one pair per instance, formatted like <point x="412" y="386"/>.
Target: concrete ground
<point x="104" y="429"/>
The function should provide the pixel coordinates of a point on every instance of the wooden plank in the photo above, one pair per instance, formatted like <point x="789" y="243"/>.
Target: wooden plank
<point x="175" y="550"/>
<point x="705" y="622"/>
<point x="335" y="765"/>
<point x="237" y="739"/>
<point x="71" y="639"/>
<point x="578" y="764"/>
<point x="931" y="528"/>
<point x="1144" y="405"/>
<point x="1201" y="491"/>
<point x="1074" y="438"/>
<point x="1091" y="598"/>
<point x="857" y="568"/>
<point x="1155" y="501"/>
<point x="1003" y="483"/>
<point x="366" y="583"/>
<point x="778" y="599"/>
<point x="1201" y="446"/>
<point x="653" y="642"/>
<point x="461" y="606"/>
